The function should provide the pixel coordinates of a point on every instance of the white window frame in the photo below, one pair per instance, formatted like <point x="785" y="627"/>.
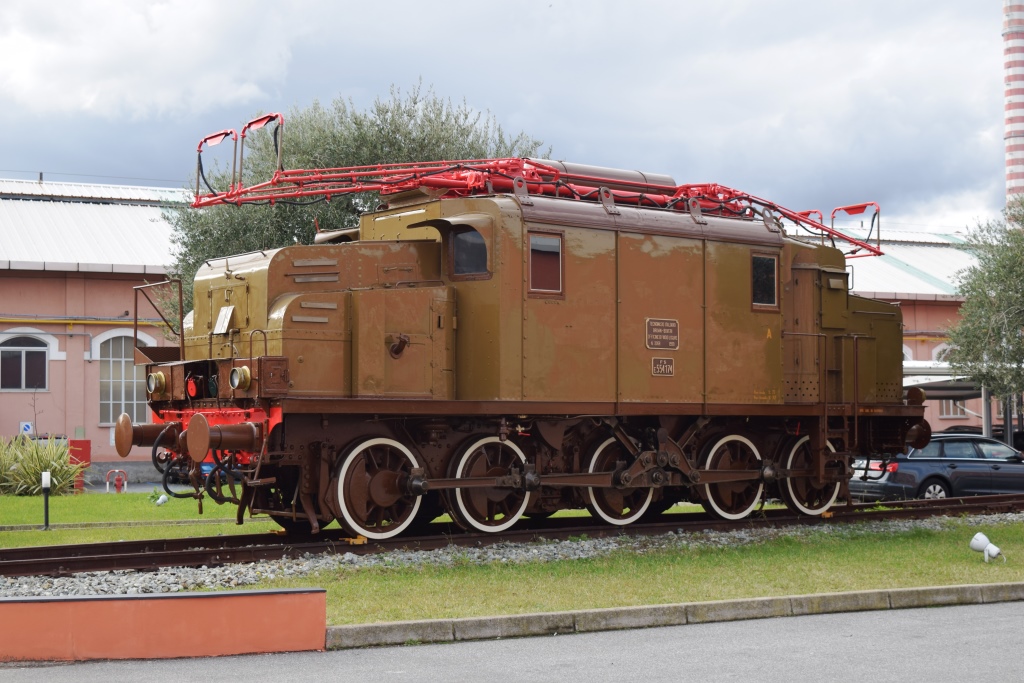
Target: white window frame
<point x="952" y="409"/>
<point x="44" y="349"/>
<point x="938" y="351"/>
<point x="139" y="384"/>
<point x="1000" y="414"/>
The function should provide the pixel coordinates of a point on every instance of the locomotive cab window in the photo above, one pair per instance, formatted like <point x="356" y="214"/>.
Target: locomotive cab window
<point x="765" y="281"/>
<point x="545" y="264"/>
<point x="468" y="254"/>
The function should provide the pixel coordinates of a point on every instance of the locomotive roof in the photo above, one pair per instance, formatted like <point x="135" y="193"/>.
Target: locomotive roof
<point x="555" y="211"/>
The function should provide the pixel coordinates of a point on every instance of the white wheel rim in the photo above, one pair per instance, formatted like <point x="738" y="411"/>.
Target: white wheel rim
<point x="760" y="486"/>
<point x="789" y="481"/>
<point x="355" y="526"/>
<point x="468" y="518"/>
<point x="593" y="499"/>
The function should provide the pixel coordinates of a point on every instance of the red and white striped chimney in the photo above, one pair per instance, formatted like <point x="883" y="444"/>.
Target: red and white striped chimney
<point x="1013" y="70"/>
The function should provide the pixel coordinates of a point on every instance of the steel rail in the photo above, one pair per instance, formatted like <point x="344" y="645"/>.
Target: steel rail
<point x="223" y="550"/>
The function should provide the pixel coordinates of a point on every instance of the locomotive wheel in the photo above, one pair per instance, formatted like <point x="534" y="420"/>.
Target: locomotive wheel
<point x="799" y="493"/>
<point x="370" y="492"/>
<point x="736" y="499"/>
<point x="618" y="506"/>
<point x="490" y="510"/>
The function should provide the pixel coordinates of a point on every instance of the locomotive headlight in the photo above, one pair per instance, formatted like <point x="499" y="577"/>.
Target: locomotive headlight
<point x="156" y="383"/>
<point x="240" y="378"/>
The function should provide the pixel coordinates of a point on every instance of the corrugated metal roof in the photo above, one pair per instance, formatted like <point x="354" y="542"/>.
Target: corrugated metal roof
<point x="28" y="189"/>
<point x="919" y="237"/>
<point x="906" y="235"/>
<point x="84" y="236"/>
<point x="914" y="264"/>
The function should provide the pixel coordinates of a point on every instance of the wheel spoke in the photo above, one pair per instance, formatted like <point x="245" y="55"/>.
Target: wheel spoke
<point x="370" y="461"/>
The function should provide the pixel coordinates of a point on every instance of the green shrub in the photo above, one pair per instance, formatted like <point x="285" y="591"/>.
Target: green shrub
<point x="23" y="461"/>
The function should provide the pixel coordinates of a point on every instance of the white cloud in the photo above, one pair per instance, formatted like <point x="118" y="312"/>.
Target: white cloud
<point x="808" y="103"/>
<point x="115" y="58"/>
<point x="954" y="211"/>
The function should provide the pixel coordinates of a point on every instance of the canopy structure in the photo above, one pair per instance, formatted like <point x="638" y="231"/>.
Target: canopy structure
<point x="938" y="381"/>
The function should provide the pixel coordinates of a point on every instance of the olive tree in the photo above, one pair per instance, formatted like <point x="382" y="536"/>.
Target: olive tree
<point x="987" y="344"/>
<point x="415" y="126"/>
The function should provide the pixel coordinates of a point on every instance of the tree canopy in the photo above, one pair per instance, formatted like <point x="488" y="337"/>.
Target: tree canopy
<point x="987" y="344"/>
<point x="415" y="126"/>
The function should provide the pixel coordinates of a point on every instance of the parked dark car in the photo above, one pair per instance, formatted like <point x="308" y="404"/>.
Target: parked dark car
<point x="951" y="465"/>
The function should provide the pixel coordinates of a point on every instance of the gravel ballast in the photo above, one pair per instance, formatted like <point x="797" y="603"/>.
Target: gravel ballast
<point x="180" y="579"/>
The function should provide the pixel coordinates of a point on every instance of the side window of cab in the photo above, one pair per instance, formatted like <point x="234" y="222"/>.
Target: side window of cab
<point x="467" y="255"/>
<point x="764" y="282"/>
<point x="546" y="266"/>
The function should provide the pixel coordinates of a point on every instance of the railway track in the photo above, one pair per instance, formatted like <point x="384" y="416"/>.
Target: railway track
<point x="64" y="560"/>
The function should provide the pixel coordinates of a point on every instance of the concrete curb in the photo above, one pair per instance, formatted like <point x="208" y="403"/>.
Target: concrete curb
<point x="614" y="618"/>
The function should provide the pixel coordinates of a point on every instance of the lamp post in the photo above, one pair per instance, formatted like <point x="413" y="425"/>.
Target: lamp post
<point x="46" y="501"/>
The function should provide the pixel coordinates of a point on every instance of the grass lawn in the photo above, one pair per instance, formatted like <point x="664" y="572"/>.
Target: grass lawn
<point x="122" y="507"/>
<point x="820" y="563"/>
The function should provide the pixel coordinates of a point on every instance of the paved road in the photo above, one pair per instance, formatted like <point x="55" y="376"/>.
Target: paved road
<point x="974" y="642"/>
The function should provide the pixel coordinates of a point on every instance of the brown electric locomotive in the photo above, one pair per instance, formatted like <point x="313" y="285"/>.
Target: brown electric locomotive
<point x="517" y="337"/>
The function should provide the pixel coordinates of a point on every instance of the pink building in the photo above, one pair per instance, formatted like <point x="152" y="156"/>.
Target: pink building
<point x="70" y="255"/>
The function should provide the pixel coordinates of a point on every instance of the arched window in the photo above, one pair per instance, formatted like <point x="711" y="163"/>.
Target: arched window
<point x="122" y="383"/>
<point x="23" y="364"/>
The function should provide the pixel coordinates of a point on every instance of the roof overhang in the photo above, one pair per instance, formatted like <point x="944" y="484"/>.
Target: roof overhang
<point x="938" y="381"/>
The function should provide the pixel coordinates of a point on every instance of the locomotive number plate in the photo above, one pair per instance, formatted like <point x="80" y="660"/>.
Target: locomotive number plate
<point x="663" y="367"/>
<point x="662" y="333"/>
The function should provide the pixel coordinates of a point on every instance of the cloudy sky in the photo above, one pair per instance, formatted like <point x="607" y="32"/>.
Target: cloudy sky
<point x="809" y="103"/>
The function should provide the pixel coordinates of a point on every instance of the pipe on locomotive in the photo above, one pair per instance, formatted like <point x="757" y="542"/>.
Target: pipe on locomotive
<point x="127" y="435"/>
<point x="202" y="437"/>
<point x="199" y="439"/>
